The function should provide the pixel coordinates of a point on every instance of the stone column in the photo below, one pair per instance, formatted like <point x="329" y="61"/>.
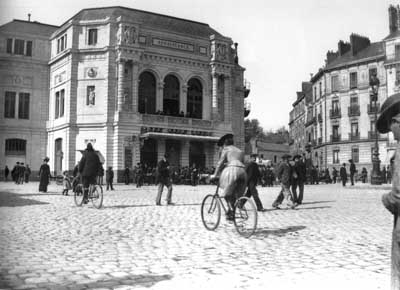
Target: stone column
<point x="185" y="153"/>
<point x="214" y="101"/>
<point x="160" y="148"/>
<point x="135" y="86"/>
<point x="121" y="84"/>
<point x="227" y="99"/>
<point x="183" y="99"/>
<point x="159" y="96"/>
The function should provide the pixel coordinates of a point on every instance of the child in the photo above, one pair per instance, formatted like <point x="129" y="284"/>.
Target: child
<point x="389" y="120"/>
<point x="66" y="183"/>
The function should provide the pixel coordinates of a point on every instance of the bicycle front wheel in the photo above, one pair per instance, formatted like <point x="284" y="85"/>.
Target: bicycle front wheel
<point x="245" y="217"/>
<point x="78" y="195"/>
<point x="97" y="196"/>
<point x="210" y="212"/>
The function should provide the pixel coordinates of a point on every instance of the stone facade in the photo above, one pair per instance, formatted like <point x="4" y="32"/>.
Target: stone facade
<point x="113" y="70"/>
<point x="24" y="53"/>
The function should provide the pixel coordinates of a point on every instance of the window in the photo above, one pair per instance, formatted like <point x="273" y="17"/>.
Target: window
<point x="372" y="71"/>
<point x="315" y="93"/>
<point x="23" y="106"/>
<point x="90" y="96"/>
<point x="57" y="105"/>
<point x="354" y="129"/>
<point x="62" y="97"/>
<point x="195" y="99"/>
<point x="61" y="43"/>
<point x="92" y="36"/>
<point x="397" y="76"/>
<point x="9" y="105"/>
<point x="397" y="51"/>
<point x="353" y="80"/>
<point x="354" y="154"/>
<point x="171" y="95"/>
<point x="353" y="101"/>
<point x="9" y="45"/>
<point x="335" y="106"/>
<point x="335" y="156"/>
<point x="19" y="46"/>
<point x="335" y="83"/>
<point x="29" y="48"/>
<point x="372" y="126"/>
<point x="147" y="93"/>
<point x="335" y="131"/>
<point x="15" y="147"/>
<point x="320" y="89"/>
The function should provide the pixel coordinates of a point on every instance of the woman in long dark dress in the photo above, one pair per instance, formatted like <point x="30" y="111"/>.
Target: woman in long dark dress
<point x="44" y="175"/>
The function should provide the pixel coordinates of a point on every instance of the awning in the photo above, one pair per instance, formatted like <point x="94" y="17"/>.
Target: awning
<point x="178" y="136"/>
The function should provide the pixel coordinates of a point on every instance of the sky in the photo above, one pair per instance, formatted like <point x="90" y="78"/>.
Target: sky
<point x="280" y="42"/>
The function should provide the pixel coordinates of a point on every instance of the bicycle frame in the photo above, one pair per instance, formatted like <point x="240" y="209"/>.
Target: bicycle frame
<point x="226" y="209"/>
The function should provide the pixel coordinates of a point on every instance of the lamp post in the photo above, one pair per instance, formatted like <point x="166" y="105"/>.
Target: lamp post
<point x="375" y="176"/>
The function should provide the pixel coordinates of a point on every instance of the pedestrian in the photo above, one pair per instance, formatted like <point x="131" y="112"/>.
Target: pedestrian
<point x="284" y="173"/>
<point x="301" y="172"/>
<point x="14" y="172"/>
<point x="126" y="175"/>
<point x="383" y="174"/>
<point x="253" y="175"/>
<point x="353" y="170"/>
<point x="364" y="174"/>
<point x="334" y="174"/>
<point x="231" y="172"/>
<point x="89" y="166"/>
<point x="343" y="174"/>
<point x="389" y="174"/>
<point x="21" y="172"/>
<point x="101" y="174"/>
<point x="6" y="173"/>
<point x="389" y="120"/>
<point x="66" y="183"/>
<point x="163" y="178"/>
<point x="44" y="175"/>
<point x="110" y="178"/>
<point x="327" y="176"/>
<point x="76" y="177"/>
<point x="194" y="174"/>
<point x="139" y="175"/>
<point x="27" y="173"/>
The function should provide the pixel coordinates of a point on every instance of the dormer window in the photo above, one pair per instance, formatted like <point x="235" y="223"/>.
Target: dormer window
<point x="62" y="43"/>
<point x="92" y="36"/>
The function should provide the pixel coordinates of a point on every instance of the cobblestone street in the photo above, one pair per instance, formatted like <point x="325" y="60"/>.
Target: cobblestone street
<point x="338" y="239"/>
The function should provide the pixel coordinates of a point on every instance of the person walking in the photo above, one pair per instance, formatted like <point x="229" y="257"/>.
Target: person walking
<point x="383" y="174"/>
<point x="27" y="173"/>
<point x="163" y="179"/>
<point x="389" y="174"/>
<point x="389" y="120"/>
<point x="343" y="174"/>
<point x="44" y="175"/>
<point x="334" y="174"/>
<point x="126" y="175"/>
<point x="89" y="166"/>
<point x="101" y="175"/>
<point x="284" y="173"/>
<point x="21" y="173"/>
<point x="109" y="178"/>
<point x="66" y="183"/>
<point x="364" y="175"/>
<point x="253" y="175"/>
<point x="353" y="171"/>
<point x="301" y="171"/>
<point x="6" y="173"/>
<point x="14" y="172"/>
<point x="231" y="171"/>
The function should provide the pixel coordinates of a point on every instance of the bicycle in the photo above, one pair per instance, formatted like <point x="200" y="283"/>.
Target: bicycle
<point x="95" y="194"/>
<point x="244" y="213"/>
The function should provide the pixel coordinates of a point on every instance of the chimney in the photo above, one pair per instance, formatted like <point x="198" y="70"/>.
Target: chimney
<point x="393" y="26"/>
<point x="358" y="43"/>
<point x="29" y="17"/>
<point x="236" y="53"/>
<point x="331" y="56"/>
<point x="343" y="47"/>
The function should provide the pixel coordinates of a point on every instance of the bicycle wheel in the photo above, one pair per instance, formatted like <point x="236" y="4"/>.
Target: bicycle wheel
<point x="210" y="212"/>
<point x="97" y="196"/>
<point x="78" y="195"/>
<point x="245" y="216"/>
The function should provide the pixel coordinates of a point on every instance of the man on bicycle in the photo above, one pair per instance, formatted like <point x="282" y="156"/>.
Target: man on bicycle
<point x="89" y="166"/>
<point x="230" y="168"/>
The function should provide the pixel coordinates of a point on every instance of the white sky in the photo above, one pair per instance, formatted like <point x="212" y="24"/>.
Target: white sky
<point x="280" y="42"/>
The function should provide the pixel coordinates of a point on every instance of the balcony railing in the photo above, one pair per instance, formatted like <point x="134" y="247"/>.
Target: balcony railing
<point x="149" y="119"/>
<point x="354" y="137"/>
<point x="335" y="138"/>
<point x="354" y="111"/>
<point x="333" y="114"/>
<point x="372" y="108"/>
<point x="310" y="121"/>
<point x="320" y="118"/>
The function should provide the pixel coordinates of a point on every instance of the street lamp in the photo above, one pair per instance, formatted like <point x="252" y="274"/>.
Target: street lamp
<point x="375" y="176"/>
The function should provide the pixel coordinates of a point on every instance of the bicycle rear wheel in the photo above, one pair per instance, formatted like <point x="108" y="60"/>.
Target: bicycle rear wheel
<point x="78" y="195"/>
<point x="245" y="216"/>
<point x="97" y="196"/>
<point x="210" y="212"/>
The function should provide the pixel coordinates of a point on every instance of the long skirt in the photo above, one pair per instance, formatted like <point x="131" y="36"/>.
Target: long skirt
<point x="44" y="182"/>
<point x="234" y="179"/>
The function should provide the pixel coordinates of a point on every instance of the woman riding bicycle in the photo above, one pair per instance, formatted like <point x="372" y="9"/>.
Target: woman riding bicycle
<point x="233" y="177"/>
<point x="88" y="168"/>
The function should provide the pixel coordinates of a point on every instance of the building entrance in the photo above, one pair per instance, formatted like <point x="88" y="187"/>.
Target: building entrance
<point x="196" y="154"/>
<point x="58" y="156"/>
<point x="148" y="153"/>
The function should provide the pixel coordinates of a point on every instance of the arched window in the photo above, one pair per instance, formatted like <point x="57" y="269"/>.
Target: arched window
<point x="15" y="147"/>
<point x="147" y="93"/>
<point x="195" y="99"/>
<point x="171" y="95"/>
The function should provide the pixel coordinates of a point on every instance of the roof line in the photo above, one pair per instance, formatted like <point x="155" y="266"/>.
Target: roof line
<point x="133" y="9"/>
<point x="34" y="22"/>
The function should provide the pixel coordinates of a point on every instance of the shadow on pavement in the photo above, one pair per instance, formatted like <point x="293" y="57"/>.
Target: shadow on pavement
<point x="145" y="205"/>
<point x="8" y="199"/>
<point x="265" y="232"/>
<point x="315" y="207"/>
<point x="125" y="282"/>
<point x="314" y="202"/>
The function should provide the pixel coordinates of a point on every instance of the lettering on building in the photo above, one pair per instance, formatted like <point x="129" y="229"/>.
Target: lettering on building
<point x="173" y="44"/>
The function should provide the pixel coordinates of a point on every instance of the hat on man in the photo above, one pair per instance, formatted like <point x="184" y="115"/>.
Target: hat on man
<point x="296" y="156"/>
<point x="221" y="140"/>
<point x="46" y="159"/>
<point x="389" y="109"/>
<point x="286" y="156"/>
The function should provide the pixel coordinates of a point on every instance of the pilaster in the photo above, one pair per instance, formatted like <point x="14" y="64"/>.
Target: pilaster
<point x="160" y="149"/>
<point x="227" y="98"/>
<point x="214" y="101"/>
<point x="185" y="153"/>
<point x="159" y="96"/>
<point x="121" y="84"/>
<point x="135" y="86"/>
<point x="183" y="99"/>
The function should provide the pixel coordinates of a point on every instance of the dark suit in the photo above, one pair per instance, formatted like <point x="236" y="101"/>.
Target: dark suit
<point x="253" y="175"/>
<point x="300" y="169"/>
<point x="352" y="172"/>
<point x="343" y="175"/>
<point x="89" y="166"/>
<point x="163" y="178"/>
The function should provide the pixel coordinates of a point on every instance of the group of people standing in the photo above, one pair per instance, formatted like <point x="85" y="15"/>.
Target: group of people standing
<point x="19" y="174"/>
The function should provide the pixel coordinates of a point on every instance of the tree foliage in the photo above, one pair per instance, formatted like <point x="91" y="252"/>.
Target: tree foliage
<point x="253" y="129"/>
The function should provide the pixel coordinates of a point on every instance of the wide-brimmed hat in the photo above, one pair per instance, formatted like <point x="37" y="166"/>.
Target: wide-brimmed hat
<point x="389" y="109"/>
<point x="286" y="156"/>
<point x="221" y="140"/>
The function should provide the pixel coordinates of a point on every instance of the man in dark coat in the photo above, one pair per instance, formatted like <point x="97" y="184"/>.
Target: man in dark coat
<point x="284" y="173"/>
<point x="163" y="178"/>
<point x="109" y="178"/>
<point x="6" y="173"/>
<point x="343" y="174"/>
<point x="334" y="174"/>
<point x="89" y="166"/>
<point x="126" y="175"/>
<point x="300" y="171"/>
<point x="352" y="171"/>
<point x="21" y="173"/>
<point x="253" y="175"/>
